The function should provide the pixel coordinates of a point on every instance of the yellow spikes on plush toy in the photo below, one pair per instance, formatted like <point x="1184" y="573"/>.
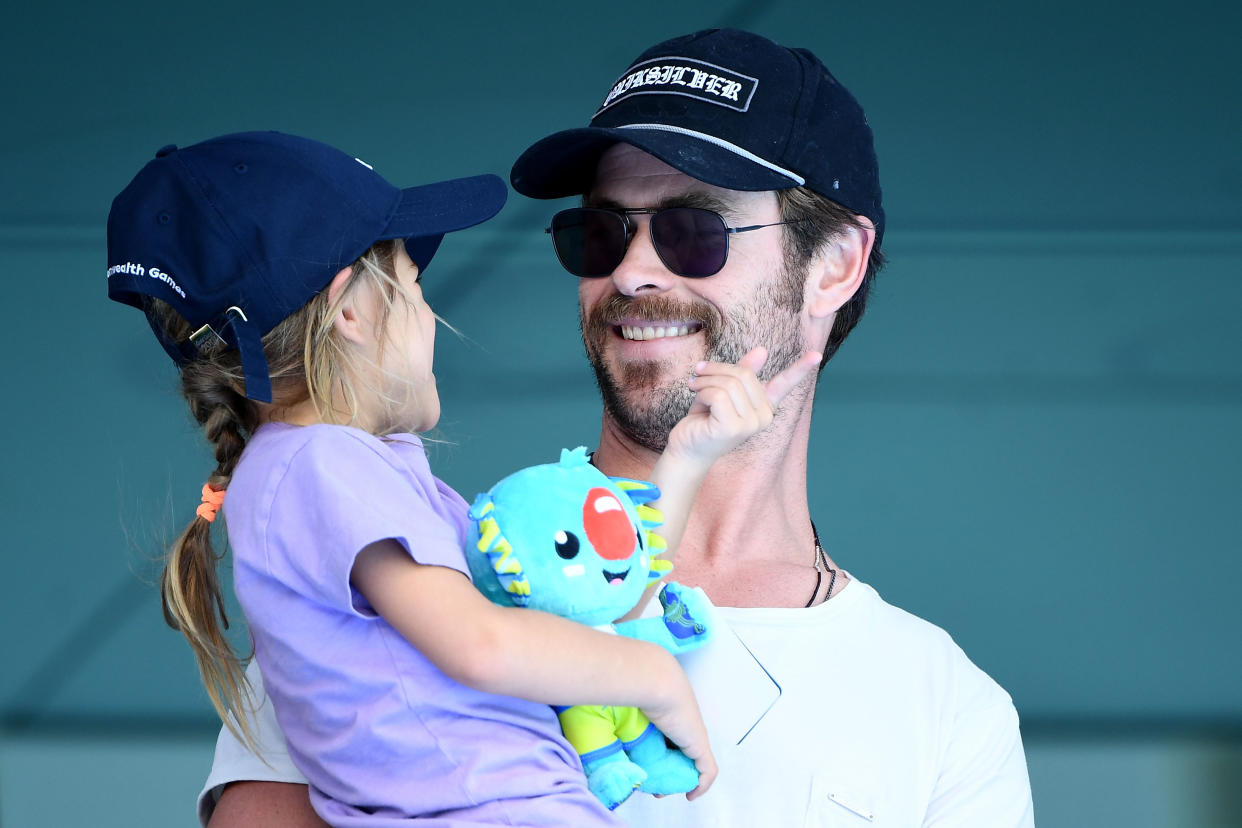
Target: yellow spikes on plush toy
<point x="500" y="554"/>
<point x="659" y="568"/>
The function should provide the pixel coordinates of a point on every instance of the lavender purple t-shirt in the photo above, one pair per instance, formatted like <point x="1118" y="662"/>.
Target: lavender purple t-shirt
<point x="379" y="731"/>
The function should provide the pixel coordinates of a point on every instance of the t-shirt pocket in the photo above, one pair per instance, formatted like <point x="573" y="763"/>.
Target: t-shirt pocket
<point x="836" y="805"/>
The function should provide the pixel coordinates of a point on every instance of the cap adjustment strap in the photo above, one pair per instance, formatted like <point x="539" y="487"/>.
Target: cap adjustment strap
<point x="254" y="362"/>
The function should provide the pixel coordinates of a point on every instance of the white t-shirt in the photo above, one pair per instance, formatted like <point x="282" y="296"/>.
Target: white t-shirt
<point x="881" y="721"/>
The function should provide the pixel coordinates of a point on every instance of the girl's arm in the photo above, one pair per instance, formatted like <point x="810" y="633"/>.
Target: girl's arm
<point x="730" y="405"/>
<point x="526" y="653"/>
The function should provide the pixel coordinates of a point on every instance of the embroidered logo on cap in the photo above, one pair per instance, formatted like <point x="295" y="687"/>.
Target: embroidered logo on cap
<point x="132" y="269"/>
<point x="684" y="76"/>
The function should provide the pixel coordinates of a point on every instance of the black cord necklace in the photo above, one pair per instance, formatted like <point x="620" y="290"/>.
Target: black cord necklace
<point x="821" y="565"/>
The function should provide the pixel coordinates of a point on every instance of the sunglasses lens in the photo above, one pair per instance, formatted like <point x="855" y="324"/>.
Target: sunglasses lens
<point x="588" y="242"/>
<point x="691" y="241"/>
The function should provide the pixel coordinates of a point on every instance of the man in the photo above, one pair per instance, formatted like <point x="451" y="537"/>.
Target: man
<point x="731" y="198"/>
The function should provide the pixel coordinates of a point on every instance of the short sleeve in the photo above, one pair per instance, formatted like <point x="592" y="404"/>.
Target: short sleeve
<point x="341" y="492"/>
<point x="983" y="779"/>
<point x="234" y="762"/>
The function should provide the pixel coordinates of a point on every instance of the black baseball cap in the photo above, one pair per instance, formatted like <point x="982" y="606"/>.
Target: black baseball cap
<point x="238" y="232"/>
<point x="729" y="108"/>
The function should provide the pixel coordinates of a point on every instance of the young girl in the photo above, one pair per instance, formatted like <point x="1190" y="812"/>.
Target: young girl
<point x="283" y="278"/>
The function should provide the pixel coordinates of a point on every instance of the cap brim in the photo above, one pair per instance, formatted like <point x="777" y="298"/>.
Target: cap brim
<point x="425" y="213"/>
<point x="563" y="164"/>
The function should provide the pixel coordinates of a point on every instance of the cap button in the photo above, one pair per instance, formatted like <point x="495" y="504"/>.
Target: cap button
<point x="165" y="150"/>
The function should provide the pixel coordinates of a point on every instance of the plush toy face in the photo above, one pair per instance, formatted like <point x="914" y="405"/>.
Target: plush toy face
<point x="563" y="538"/>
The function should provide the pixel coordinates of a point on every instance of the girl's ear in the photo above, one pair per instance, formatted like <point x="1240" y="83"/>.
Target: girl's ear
<point x="839" y="271"/>
<point x="347" y="322"/>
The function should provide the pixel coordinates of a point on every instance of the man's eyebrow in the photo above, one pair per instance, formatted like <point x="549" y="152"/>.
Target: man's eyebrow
<point x="703" y="201"/>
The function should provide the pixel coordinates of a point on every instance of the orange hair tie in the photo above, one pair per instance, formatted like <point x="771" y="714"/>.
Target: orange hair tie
<point x="212" y="500"/>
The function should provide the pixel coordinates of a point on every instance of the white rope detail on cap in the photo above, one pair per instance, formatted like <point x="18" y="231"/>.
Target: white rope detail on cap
<point x="711" y="139"/>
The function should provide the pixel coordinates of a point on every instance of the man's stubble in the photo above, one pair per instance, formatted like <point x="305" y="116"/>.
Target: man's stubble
<point x="646" y="399"/>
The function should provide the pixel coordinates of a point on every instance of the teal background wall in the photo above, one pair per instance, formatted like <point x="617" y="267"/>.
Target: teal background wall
<point x="1033" y="439"/>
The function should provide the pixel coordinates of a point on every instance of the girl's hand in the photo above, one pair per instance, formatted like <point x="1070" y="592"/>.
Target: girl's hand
<point x="680" y="720"/>
<point x="731" y="404"/>
<point x="529" y="654"/>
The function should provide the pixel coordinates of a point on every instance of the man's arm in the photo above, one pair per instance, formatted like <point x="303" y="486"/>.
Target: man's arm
<point x="244" y="786"/>
<point x="270" y="804"/>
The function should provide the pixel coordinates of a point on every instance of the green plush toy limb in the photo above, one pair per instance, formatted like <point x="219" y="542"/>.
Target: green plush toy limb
<point x="622" y="751"/>
<point x="566" y="539"/>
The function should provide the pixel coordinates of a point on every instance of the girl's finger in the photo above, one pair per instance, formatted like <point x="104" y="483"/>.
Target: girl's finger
<point x="744" y="377"/>
<point x="744" y="372"/>
<point x="717" y="397"/>
<point x="751" y="363"/>
<point x="774" y="389"/>
<point x="781" y="384"/>
<point x="754" y="359"/>
<point x="746" y="397"/>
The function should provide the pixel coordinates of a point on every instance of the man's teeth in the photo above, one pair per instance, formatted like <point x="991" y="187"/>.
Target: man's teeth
<point x="653" y="332"/>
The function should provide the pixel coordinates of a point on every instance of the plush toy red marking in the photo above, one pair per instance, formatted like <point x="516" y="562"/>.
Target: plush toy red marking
<point x="607" y="526"/>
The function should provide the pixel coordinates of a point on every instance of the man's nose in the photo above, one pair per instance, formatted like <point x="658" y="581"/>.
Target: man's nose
<point x="641" y="270"/>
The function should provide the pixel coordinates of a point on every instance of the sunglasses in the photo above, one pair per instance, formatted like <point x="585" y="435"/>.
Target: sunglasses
<point x="690" y="241"/>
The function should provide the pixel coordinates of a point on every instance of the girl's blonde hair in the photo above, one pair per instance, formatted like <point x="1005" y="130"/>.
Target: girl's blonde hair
<point x="306" y="361"/>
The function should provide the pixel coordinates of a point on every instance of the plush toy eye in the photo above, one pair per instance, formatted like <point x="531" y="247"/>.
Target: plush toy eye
<point x="566" y="544"/>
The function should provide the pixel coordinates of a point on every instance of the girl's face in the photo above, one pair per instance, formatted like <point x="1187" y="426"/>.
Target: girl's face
<point x="404" y="350"/>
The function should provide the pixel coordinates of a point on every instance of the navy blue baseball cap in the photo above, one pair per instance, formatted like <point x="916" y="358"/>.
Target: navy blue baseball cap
<point x="729" y="108"/>
<point x="238" y="232"/>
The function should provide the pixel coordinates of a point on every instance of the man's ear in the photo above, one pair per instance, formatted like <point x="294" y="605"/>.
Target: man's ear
<point x="838" y="271"/>
<point x="347" y="322"/>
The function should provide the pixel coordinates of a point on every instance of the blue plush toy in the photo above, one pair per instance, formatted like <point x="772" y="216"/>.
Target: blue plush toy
<point x="566" y="539"/>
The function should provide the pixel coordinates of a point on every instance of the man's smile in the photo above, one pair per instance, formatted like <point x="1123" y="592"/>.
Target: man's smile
<point x="660" y="330"/>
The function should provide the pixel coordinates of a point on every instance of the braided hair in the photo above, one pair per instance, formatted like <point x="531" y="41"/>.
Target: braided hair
<point x="305" y="361"/>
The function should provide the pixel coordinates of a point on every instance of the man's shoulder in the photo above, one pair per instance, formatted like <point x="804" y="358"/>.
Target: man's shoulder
<point x="902" y="641"/>
<point x="891" y="620"/>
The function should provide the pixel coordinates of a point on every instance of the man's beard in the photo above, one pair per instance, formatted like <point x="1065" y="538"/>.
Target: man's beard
<point x="646" y="399"/>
